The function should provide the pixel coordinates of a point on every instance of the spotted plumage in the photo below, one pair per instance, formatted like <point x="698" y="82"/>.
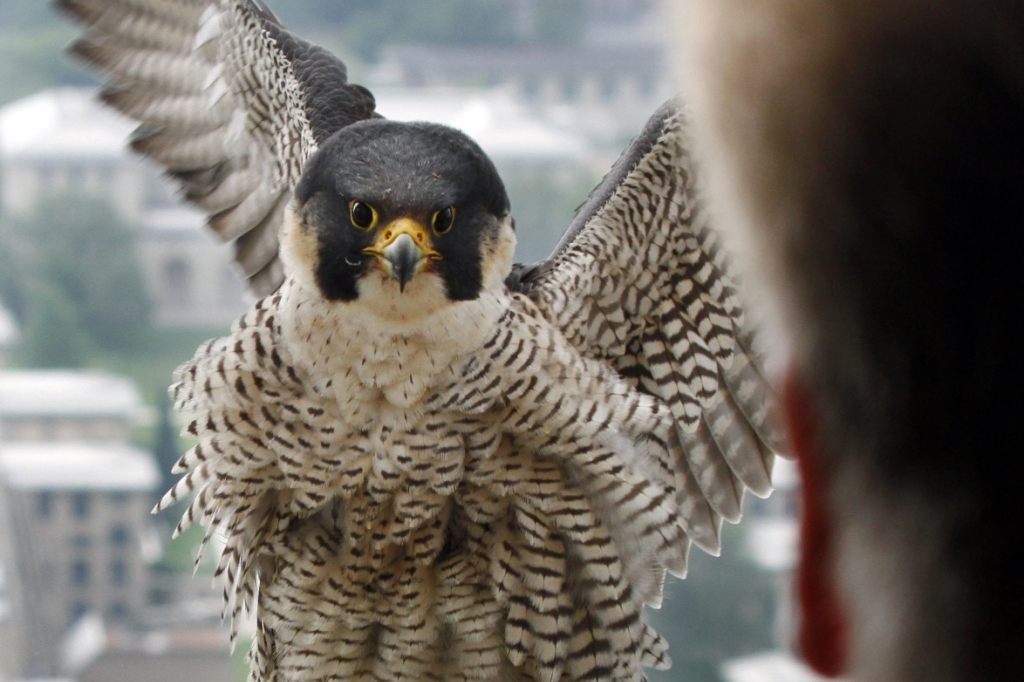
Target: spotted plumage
<point x="427" y="464"/>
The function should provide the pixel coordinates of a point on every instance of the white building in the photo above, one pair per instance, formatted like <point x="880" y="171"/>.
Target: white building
<point x="75" y="535"/>
<point x="66" y="405"/>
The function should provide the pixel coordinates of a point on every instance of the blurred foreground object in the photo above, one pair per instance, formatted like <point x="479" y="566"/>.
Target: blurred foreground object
<point x="868" y="156"/>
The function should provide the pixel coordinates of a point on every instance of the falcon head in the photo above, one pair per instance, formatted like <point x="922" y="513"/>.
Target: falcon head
<point x="399" y="216"/>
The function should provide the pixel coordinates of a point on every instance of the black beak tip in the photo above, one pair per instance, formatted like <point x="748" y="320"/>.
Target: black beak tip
<point x="404" y="261"/>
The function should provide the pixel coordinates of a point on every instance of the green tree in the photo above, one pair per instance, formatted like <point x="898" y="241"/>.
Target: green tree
<point x="52" y="336"/>
<point x="32" y="39"/>
<point x="81" y="254"/>
<point x="13" y="275"/>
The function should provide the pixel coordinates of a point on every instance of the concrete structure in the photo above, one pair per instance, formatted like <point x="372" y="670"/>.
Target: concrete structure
<point x="604" y="86"/>
<point x="605" y="92"/>
<point x="75" y="497"/>
<point x="60" y="405"/>
<point x="82" y="530"/>
<point x="10" y="597"/>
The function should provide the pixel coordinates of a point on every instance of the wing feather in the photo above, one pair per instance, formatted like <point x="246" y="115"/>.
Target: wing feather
<point x="641" y="282"/>
<point x="228" y="102"/>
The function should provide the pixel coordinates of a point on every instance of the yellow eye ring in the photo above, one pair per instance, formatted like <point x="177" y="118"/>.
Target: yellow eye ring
<point x="443" y="220"/>
<point x="362" y="215"/>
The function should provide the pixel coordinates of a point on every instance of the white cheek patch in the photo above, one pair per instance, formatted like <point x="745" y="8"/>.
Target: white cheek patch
<point x="497" y="257"/>
<point x="299" y="248"/>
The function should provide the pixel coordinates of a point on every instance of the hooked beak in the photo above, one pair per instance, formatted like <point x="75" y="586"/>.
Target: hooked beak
<point x="402" y="246"/>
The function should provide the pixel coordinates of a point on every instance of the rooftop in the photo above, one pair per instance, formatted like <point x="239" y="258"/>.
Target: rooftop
<point x="66" y="393"/>
<point x="452" y="64"/>
<point x="500" y="124"/>
<point x="77" y="466"/>
<point x="60" y="123"/>
<point x="70" y="122"/>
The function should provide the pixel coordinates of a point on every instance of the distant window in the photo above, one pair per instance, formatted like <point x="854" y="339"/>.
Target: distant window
<point x="80" y="573"/>
<point x="80" y="505"/>
<point x="118" y="499"/>
<point x="177" y="282"/>
<point x="118" y="610"/>
<point x="120" y="535"/>
<point x="44" y="505"/>
<point x="78" y="610"/>
<point x="118" y="573"/>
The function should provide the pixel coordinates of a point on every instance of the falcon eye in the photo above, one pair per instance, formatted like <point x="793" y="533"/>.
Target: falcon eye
<point x="362" y="215"/>
<point x="443" y="220"/>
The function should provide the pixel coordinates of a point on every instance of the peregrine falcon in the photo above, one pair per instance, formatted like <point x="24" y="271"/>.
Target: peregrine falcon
<point x="428" y="463"/>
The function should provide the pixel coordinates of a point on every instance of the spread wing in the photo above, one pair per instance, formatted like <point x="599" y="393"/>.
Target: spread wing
<point x="229" y="103"/>
<point x="639" y="280"/>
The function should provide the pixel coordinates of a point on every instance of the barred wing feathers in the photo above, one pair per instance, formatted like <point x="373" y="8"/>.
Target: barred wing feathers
<point x="228" y="102"/>
<point x="640" y="282"/>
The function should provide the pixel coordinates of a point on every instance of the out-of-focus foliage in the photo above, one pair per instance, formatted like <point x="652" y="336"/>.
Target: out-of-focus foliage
<point x="31" y="40"/>
<point x="77" y="267"/>
<point x="52" y="336"/>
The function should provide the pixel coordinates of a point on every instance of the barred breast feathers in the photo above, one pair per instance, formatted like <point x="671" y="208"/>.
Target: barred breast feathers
<point x="513" y="446"/>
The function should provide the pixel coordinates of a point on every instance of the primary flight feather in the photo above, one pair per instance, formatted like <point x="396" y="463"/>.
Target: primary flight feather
<point x="427" y="463"/>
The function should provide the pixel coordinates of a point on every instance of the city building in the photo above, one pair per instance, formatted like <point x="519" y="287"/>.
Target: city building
<point x="10" y="597"/>
<point x="67" y="405"/>
<point x="75" y="534"/>
<point x="606" y="91"/>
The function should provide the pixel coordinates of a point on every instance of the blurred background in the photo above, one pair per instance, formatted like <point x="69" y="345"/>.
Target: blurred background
<point x="107" y="282"/>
